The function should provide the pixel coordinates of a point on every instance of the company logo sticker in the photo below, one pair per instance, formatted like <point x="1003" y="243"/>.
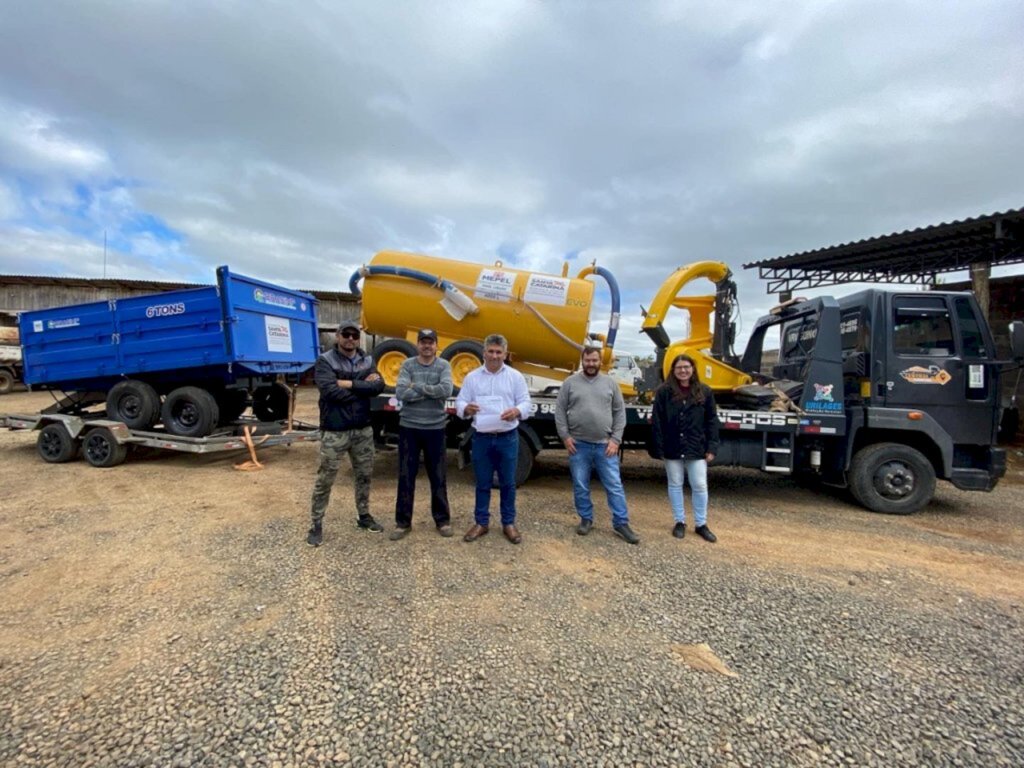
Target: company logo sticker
<point x="933" y="374"/>
<point x="68" y="322"/>
<point x="274" y="299"/>
<point x="823" y="401"/>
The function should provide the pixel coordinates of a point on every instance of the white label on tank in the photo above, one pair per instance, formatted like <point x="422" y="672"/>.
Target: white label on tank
<point x="37" y="326"/>
<point x="544" y="289"/>
<point x="975" y="377"/>
<point x="279" y="334"/>
<point x="495" y="284"/>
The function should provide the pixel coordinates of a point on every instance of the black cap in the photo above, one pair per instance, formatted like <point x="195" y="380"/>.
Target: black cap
<point x="349" y="324"/>
<point x="426" y="333"/>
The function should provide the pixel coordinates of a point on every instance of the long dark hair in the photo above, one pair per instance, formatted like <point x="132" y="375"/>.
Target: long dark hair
<point x="696" y="388"/>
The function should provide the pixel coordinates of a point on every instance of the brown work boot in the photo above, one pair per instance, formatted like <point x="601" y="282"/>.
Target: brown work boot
<point x="475" y="532"/>
<point x="511" y="533"/>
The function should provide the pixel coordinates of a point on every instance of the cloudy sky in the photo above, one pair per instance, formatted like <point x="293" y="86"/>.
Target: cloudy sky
<point x="293" y="140"/>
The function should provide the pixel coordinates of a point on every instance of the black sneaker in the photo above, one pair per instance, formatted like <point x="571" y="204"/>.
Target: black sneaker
<point x="315" y="536"/>
<point x="627" y="533"/>
<point x="369" y="524"/>
<point x="705" y="533"/>
<point x="585" y="525"/>
<point x="679" y="530"/>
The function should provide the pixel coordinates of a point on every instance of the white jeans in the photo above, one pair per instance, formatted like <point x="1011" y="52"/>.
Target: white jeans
<point x="677" y="470"/>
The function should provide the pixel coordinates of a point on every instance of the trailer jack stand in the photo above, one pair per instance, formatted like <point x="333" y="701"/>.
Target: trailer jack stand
<point x="253" y="464"/>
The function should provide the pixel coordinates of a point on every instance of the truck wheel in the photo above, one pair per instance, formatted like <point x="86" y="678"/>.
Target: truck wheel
<point x="389" y="356"/>
<point x="102" y="450"/>
<point x="55" y="445"/>
<point x="524" y="462"/>
<point x="190" y="412"/>
<point x="133" y="402"/>
<point x="892" y="478"/>
<point x="464" y="356"/>
<point x="6" y="381"/>
<point x="271" y="403"/>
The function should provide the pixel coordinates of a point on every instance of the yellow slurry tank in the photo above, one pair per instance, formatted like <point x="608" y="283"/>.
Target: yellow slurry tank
<point x="544" y="317"/>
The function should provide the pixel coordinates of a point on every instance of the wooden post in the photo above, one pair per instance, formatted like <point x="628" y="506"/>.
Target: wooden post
<point x="981" y="271"/>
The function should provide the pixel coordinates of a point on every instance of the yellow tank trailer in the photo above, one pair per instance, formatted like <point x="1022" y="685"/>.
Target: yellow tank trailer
<point x="544" y="317"/>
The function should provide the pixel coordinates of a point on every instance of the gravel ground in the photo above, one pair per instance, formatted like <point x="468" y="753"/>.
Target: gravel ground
<point x="216" y="637"/>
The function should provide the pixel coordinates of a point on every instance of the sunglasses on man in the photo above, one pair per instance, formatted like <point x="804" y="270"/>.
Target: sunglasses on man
<point x="349" y="334"/>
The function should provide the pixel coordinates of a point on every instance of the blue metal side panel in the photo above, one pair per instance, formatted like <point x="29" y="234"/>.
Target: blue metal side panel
<point x="272" y="329"/>
<point x="168" y="331"/>
<point x="68" y="343"/>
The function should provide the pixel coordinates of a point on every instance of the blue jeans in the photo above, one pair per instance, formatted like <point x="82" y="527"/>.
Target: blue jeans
<point x="590" y="457"/>
<point x="697" y="469"/>
<point x="495" y="452"/>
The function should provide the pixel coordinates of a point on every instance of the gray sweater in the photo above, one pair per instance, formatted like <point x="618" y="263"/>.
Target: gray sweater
<point x="591" y="410"/>
<point x="422" y="390"/>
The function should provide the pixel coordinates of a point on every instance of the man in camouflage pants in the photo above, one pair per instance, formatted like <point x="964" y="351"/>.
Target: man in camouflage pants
<point x="347" y="379"/>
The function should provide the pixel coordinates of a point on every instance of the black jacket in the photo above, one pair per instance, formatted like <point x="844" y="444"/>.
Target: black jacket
<point x="682" y="429"/>
<point x="342" y="409"/>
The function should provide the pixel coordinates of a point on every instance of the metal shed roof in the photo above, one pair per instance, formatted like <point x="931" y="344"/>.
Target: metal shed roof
<point x="915" y="256"/>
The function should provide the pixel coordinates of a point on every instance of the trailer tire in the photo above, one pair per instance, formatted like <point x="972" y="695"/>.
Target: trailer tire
<point x="6" y="381"/>
<point x="389" y="356"/>
<point x="464" y="356"/>
<point x="232" y="404"/>
<point x="55" y="445"/>
<point x="190" y="412"/>
<point x="101" y="449"/>
<point x="133" y="402"/>
<point x="524" y="461"/>
<point x="891" y="478"/>
<point x="271" y="403"/>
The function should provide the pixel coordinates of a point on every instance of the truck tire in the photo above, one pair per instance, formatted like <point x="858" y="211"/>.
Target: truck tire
<point x="190" y="412"/>
<point x="524" y="461"/>
<point x="133" y="402"/>
<point x="271" y="403"/>
<point x="101" y="449"/>
<point x="389" y="356"/>
<point x="464" y="356"/>
<point x="892" y="478"/>
<point x="6" y="381"/>
<point x="55" y="445"/>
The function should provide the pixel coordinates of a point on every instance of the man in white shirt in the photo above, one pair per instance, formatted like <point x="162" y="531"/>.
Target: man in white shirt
<point x="497" y="398"/>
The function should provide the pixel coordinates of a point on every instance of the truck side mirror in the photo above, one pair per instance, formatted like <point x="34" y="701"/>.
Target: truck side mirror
<point x="1017" y="340"/>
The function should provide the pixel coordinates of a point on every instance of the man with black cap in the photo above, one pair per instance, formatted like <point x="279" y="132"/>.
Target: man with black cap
<point x="424" y="384"/>
<point x="347" y="379"/>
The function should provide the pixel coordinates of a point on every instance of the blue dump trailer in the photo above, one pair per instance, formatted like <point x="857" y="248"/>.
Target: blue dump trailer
<point x="192" y="359"/>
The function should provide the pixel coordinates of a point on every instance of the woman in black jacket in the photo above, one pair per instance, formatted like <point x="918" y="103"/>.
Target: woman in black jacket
<point x="684" y="432"/>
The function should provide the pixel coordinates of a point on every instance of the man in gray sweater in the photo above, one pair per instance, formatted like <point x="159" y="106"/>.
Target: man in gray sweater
<point x="590" y="416"/>
<point x="424" y="384"/>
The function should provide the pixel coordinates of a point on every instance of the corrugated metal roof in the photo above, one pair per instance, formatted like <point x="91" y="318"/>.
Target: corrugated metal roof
<point x="911" y="256"/>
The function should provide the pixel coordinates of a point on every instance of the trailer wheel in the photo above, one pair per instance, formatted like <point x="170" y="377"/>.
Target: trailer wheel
<point x="6" y="381"/>
<point x="892" y="478"/>
<point x="524" y="461"/>
<point x="232" y="404"/>
<point x="133" y="402"/>
<point x="102" y="450"/>
<point x="190" y="412"/>
<point x="271" y="403"/>
<point x="389" y="356"/>
<point x="55" y="445"/>
<point x="464" y="356"/>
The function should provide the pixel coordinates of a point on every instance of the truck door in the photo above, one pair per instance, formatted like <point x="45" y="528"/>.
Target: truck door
<point x="939" y="362"/>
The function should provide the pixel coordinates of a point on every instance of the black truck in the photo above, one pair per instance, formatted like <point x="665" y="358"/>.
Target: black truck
<point x="881" y="392"/>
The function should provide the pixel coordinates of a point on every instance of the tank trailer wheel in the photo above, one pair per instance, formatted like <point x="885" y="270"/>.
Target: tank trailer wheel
<point x="55" y="445"/>
<point x="133" y="402"/>
<point x="891" y="478"/>
<point x="271" y="403"/>
<point x="389" y="356"/>
<point x="6" y="381"/>
<point x="190" y="412"/>
<point x="232" y="404"/>
<point x="464" y="356"/>
<point x="102" y="450"/>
